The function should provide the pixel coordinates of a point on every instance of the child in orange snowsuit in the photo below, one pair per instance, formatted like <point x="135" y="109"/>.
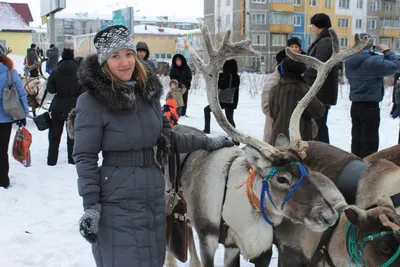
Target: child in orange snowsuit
<point x="169" y="110"/>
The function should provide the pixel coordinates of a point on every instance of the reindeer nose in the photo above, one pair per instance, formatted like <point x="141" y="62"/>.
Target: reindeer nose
<point x="329" y="216"/>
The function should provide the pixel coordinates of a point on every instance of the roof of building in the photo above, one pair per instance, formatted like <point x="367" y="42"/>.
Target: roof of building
<point x="10" y="20"/>
<point x="137" y="17"/>
<point x="23" y="10"/>
<point x="151" y="29"/>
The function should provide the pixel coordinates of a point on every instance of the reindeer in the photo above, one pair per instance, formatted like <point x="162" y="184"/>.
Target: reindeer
<point x="391" y="153"/>
<point x="363" y="183"/>
<point x="213" y="188"/>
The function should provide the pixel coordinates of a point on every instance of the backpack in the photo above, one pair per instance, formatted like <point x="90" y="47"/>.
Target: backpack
<point x="12" y="106"/>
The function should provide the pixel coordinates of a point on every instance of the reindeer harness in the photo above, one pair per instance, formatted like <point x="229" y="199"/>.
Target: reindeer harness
<point x="254" y="202"/>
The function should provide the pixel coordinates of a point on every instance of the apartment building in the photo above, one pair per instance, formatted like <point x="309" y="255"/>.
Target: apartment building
<point x="269" y="23"/>
<point x="383" y="22"/>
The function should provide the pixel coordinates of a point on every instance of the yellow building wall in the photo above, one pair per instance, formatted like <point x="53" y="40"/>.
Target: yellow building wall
<point x="320" y="8"/>
<point x="19" y="42"/>
<point x="158" y="44"/>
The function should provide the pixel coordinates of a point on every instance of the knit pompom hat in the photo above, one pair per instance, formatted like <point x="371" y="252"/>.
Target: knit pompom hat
<point x="111" y="40"/>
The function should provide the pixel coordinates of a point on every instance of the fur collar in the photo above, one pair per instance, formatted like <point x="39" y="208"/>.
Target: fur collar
<point x="96" y="83"/>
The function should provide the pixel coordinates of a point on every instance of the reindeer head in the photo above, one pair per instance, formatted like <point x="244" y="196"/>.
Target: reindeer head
<point x="295" y="194"/>
<point x="373" y="236"/>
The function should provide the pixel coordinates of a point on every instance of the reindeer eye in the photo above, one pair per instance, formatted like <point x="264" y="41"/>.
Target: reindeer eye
<point x="385" y="248"/>
<point x="282" y="180"/>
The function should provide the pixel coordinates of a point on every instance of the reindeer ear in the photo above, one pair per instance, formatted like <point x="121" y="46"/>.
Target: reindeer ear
<point x="282" y="141"/>
<point x="355" y="215"/>
<point x="257" y="159"/>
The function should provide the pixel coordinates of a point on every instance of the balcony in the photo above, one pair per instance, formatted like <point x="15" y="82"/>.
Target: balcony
<point x="388" y="13"/>
<point x="281" y="28"/>
<point x="281" y="5"/>
<point x="388" y="32"/>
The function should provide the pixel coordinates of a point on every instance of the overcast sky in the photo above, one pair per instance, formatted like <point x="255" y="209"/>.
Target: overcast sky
<point x="177" y="8"/>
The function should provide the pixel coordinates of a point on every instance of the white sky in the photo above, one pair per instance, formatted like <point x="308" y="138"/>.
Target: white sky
<point x="177" y="8"/>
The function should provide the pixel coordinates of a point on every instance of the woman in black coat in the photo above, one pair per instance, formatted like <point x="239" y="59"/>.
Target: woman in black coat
<point x="227" y="80"/>
<point x="181" y="72"/>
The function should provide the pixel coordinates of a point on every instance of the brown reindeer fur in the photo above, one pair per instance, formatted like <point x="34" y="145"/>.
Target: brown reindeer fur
<point x="391" y="153"/>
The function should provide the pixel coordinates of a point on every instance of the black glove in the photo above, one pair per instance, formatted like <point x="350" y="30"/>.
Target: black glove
<point x="21" y="123"/>
<point x="89" y="223"/>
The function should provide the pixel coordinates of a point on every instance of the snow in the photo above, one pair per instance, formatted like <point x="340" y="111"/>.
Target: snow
<point x="40" y="212"/>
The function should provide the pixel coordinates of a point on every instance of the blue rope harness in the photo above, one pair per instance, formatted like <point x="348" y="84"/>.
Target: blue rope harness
<point x="265" y="188"/>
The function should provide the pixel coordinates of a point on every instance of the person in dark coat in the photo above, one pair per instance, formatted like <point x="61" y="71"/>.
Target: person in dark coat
<point x="283" y="100"/>
<point x="52" y="54"/>
<point x="120" y="115"/>
<point x="32" y="58"/>
<point x="294" y="44"/>
<point x="7" y="69"/>
<point x="63" y="82"/>
<point x="181" y="72"/>
<point x="395" y="105"/>
<point x="365" y="73"/>
<point x="229" y="71"/>
<point x="322" y="49"/>
<point x="143" y="53"/>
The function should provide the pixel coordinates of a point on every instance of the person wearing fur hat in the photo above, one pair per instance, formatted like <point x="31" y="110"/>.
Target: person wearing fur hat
<point x="177" y="93"/>
<point x="322" y="49"/>
<point x="63" y="83"/>
<point x="7" y="72"/>
<point x="120" y="115"/>
<point x="294" y="44"/>
<point x="283" y="100"/>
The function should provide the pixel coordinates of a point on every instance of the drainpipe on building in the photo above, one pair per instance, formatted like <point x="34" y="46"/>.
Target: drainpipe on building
<point x="247" y="26"/>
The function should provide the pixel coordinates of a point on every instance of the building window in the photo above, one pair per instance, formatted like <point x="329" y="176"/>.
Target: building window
<point x="259" y="40"/>
<point x="280" y="18"/>
<point x="259" y="19"/>
<point x="297" y="2"/>
<point x="373" y="6"/>
<point x="397" y="43"/>
<point x="389" y="23"/>
<point x="385" y="41"/>
<point x="278" y="39"/>
<point x="343" y="42"/>
<point x="358" y="23"/>
<point x="386" y="6"/>
<point x="296" y="20"/>
<point x="360" y="4"/>
<point x="372" y="24"/>
<point x="328" y="3"/>
<point x="260" y="1"/>
<point x="343" y="23"/>
<point x="313" y="2"/>
<point x="344" y="3"/>
<point x="228" y="2"/>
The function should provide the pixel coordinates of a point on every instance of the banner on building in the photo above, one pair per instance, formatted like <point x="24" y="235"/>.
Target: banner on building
<point x="124" y="16"/>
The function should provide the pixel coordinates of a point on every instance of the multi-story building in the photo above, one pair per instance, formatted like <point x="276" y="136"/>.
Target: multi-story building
<point x="68" y="25"/>
<point x="383" y="22"/>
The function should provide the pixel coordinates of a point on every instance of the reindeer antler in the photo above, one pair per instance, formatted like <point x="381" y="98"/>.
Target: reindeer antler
<point x="323" y="70"/>
<point x="210" y="73"/>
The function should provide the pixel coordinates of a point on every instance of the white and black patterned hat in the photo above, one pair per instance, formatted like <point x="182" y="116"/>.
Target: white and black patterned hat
<point x="112" y="39"/>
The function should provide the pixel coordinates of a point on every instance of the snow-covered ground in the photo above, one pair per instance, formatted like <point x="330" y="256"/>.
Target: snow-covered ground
<point x="39" y="213"/>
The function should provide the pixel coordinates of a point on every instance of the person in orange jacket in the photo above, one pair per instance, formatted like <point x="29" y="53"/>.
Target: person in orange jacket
<point x="169" y="110"/>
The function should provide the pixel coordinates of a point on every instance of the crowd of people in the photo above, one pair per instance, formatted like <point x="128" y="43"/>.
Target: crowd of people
<point x="119" y="84"/>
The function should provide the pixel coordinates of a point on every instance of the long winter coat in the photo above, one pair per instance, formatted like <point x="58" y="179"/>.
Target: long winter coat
<point x="4" y="68"/>
<point x="271" y="83"/>
<point x="53" y="55"/>
<point x="32" y="56"/>
<point x="321" y="49"/>
<point x="181" y="73"/>
<point x="223" y="83"/>
<point x="123" y="124"/>
<point x="63" y="82"/>
<point x="283" y="100"/>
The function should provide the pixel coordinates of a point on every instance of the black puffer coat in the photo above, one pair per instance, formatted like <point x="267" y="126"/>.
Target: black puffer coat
<point x="63" y="82"/>
<point x="181" y="73"/>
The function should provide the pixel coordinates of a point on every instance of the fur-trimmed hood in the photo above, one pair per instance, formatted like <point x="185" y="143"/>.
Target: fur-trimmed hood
<point x="96" y="83"/>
